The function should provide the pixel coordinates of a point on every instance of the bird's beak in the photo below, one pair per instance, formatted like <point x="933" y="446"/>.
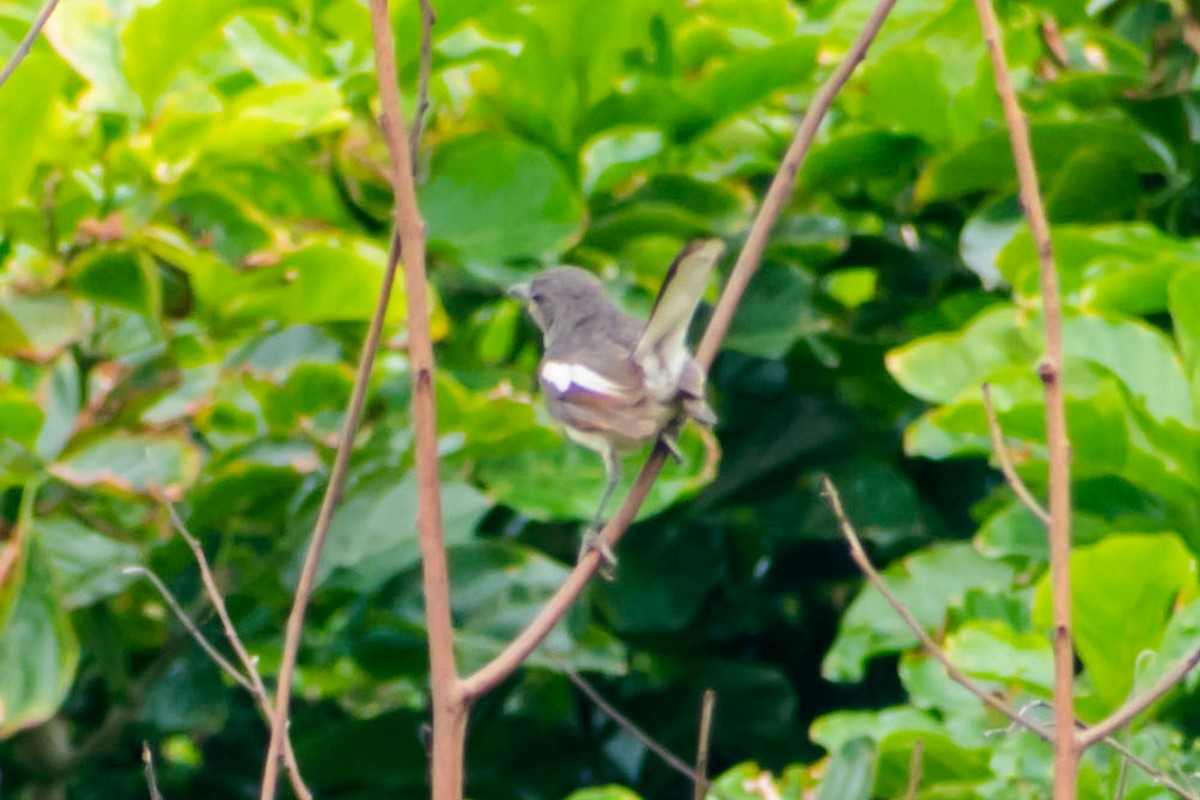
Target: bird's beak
<point x="518" y="290"/>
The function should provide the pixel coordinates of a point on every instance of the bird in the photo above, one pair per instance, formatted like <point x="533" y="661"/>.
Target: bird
<point x="613" y="381"/>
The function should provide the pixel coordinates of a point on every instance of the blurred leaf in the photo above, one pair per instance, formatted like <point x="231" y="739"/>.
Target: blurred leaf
<point x="374" y="535"/>
<point x="20" y="418"/>
<point x="494" y="199"/>
<point x="604" y="793"/>
<point x="1122" y="592"/>
<point x="28" y="99"/>
<point x="775" y="311"/>
<point x="850" y="773"/>
<point x="321" y="282"/>
<point x="944" y="762"/>
<point x="1185" y="288"/>
<point x="86" y="564"/>
<point x="38" y="648"/>
<point x="749" y="76"/>
<point x="161" y="39"/>
<point x="929" y="583"/>
<point x="126" y="279"/>
<point x="161" y="466"/>
<point x="268" y="116"/>
<point x="992" y="651"/>
<point x="38" y="326"/>
<point x="615" y="156"/>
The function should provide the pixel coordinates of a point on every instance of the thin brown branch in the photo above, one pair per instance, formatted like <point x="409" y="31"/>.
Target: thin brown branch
<point x="673" y="761"/>
<point x="748" y="261"/>
<point x="205" y="645"/>
<point x="26" y="44"/>
<point x="151" y="779"/>
<point x="425" y="68"/>
<point x="1136" y="705"/>
<point x="1160" y="777"/>
<point x="700" y="773"/>
<point x="1004" y="459"/>
<point x="859" y="555"/>
<point x="333" y="492"/>
<point x="250" y="666"/>
<point x="449" y="704"/>
<point x="1066" y="750"/>
<point x="915" y="763"/>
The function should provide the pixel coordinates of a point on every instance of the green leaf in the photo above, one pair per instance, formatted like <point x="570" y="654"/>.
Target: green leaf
<point x="322" y="282"/>
<point x="494" y="199"/>
<point x="929" y="583"/>
<point x="992" y="651"/>
<point x="38" y="649"/>
<point x="89" y="40"/>
<point x="140" y="464"/>
<point x="265" y="117"/>
<point x="986" y="163"/>
<point x="374" y="535"/>
<point x="749" y="76"/>
<point x="850" y="774"/>
<point x="776" y="311"/>
<point x="28" y="97"/>
<point x="121" y="278"/>
<point x="38" y="326"/>
<point x="1185" y="315"/>
<point x="20" y="417"/>
<point x="944" y="762"/>
<point x="86" y="564"/>
<point x="1122" y="593"/>
<point x="161" y="39"/>
<point x="615" y="156"/>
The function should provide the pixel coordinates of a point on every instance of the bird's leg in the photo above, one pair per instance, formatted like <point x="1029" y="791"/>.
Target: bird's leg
<point x="591" y="534"/>
<point x="670" y="438"/>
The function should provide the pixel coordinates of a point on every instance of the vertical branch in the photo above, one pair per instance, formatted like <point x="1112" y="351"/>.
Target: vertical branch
<point x="1066" y="749"/>
<point x="449" y="705"/>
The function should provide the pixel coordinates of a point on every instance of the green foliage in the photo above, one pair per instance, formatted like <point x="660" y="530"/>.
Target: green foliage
<point x="194" y="214"/>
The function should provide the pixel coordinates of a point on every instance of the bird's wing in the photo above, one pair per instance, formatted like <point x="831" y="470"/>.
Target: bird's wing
<point x="609" y="399"/>
<point x="661" y="348"/>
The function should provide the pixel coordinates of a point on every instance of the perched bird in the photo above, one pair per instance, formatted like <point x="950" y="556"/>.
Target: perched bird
<point x="613" y="381"/>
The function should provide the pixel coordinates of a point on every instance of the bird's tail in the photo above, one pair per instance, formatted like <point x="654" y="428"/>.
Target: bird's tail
<point x="666" y="331"/>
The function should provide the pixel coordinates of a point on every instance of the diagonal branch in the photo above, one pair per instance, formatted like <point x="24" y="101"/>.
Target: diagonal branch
<point x="27" y="43"/>
<point x="1136" y="705"/>
<point x="249" y="664"/>
<point x="1066" y="750"/>
<point x="859" y="555"/>
<point x="748" y="261"/>
<point x="1004" y="459"/>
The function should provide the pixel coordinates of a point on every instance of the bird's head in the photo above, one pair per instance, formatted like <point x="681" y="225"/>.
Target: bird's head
<point x="560" y="297"/>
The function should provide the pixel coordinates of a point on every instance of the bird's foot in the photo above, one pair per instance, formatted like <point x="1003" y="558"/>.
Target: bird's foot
<point x="608" y="559"/>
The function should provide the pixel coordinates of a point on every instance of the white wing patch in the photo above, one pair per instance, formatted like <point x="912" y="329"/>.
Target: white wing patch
<point x="563" y="375"/>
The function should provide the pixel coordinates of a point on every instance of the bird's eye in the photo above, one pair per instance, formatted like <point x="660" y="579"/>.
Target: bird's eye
<point x="538" y="298"/>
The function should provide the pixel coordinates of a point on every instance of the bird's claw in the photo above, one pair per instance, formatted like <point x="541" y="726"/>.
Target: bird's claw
<point x="608" y="559"/>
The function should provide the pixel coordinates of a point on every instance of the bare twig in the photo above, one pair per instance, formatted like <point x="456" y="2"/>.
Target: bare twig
<point x="428" y="20"/>
<point x="748" y="261"/>
<point x="703" y="785"/>
<point x="333" y="492"/>
<point x="1005" y="461"/>
<point x="27" y="43"/>
<point x="151" y="780"/>
<point x="205" y="645"/>
<point x="449" y="703"/>
<point x="914" y="769"/>
<point x="1066" y="750"/>
<point x="1136" y="705"/>
<point x="700" y="773"/>
<point x="859" y="555"/>
<point x="1160" y="777"/>
<point x="1018" y="718"/>
<point x="256" y="688"/>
